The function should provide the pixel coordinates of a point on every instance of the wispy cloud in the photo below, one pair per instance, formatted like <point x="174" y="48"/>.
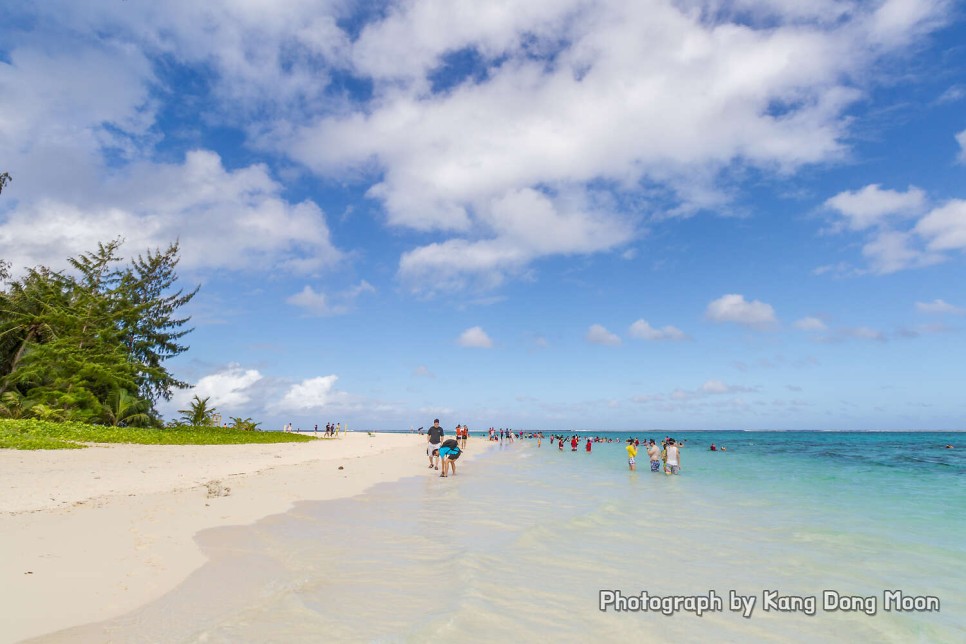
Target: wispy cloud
<point x="598" y="334"/>
<point x="319" y="304"/>
<point x="841" y="334"/>
<point x="939" y="307"/>
<point x="810" y="324"/>
<point x="422" y="371"/>
<point x="643" y="330"/>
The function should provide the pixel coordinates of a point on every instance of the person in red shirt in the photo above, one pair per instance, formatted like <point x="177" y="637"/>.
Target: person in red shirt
<point x="588" y="447"/>
<point x="573" y="444"/>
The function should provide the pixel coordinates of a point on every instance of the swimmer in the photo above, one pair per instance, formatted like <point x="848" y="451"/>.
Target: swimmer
<point x="631" y="455"/>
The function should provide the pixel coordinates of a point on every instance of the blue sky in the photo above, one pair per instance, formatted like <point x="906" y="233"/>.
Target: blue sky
<point x="554" y="214"/>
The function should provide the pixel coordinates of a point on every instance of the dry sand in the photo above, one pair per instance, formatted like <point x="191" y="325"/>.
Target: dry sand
<point x="86" y="535"/>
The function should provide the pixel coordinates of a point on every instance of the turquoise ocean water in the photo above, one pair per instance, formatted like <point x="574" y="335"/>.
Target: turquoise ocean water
<point x="519" y="545"/>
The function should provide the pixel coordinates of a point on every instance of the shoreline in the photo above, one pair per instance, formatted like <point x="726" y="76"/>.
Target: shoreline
<point x="102" y="531"/>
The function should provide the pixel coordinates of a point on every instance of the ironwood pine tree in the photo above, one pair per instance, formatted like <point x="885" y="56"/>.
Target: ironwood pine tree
<point x="71" y="344"/>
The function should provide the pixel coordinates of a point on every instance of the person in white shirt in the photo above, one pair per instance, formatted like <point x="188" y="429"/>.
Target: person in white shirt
<point x="673" y="457"/>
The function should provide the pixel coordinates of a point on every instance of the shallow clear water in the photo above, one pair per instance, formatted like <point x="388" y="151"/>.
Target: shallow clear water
<point x="519" y="544"/>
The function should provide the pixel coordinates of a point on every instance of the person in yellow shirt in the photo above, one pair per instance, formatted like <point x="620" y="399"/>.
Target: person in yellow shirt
<point x="631" y="454"/>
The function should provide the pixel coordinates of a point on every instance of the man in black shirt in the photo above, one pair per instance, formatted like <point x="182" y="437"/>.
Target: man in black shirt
<point x="434" y="438"/>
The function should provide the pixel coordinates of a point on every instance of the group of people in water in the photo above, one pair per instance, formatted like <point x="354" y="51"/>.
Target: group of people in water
<point x="664" y="457"/>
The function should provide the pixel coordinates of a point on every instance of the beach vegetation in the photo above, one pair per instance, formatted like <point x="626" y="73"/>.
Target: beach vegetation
<point x="199" y="413"/>
<point x="122" y="408"/>
<point x="244" y="424"/>
<point x="72" y="341"/>
<point x="32" y="433"/>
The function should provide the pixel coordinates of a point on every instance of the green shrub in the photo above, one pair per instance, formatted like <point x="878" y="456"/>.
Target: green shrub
<point x="42" y="434"/>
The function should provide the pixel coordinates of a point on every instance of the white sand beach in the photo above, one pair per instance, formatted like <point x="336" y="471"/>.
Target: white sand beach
<point x="90" y="534"/>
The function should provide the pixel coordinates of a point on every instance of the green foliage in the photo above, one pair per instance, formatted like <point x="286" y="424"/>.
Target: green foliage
<point x="70" y="342"/>
<point x="124" y="409"/>
<point x="244" y="424"/>
<point x="12" y="405"/>
<point x="198" y="413"/>
<point x="38" y="434"/>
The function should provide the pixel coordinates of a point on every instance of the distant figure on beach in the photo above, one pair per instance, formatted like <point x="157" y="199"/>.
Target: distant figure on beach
<point x="573" y="444"/>
<point x="713" y="448"/>
<point x="338" y="428"/>
<point x="588" y="446"/>
<point x="434" y="437"/>
<point x="654" y="453"/>
<point x="673" y="458"/>
<point x="560" y="444"/>
<point x="631" y="455"/>
<point x="448" y="452"/>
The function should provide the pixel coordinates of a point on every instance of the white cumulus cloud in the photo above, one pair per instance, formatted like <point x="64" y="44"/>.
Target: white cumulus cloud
<point x="475" y="338"/>
<point x="944" y="228"/>
<point x="872" y="206"/>
<point x="230" y="219"/>
<point x="311" y="394"/>
<point x="231" y="387"/>
<point x="505" y="165"/>
<point x="734" y="308"/>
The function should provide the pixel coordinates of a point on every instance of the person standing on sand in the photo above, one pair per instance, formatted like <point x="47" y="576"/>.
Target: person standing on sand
<point x="434" y="437"/>
<point x="655" y="455"/>
<point x="631" y="455"/>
